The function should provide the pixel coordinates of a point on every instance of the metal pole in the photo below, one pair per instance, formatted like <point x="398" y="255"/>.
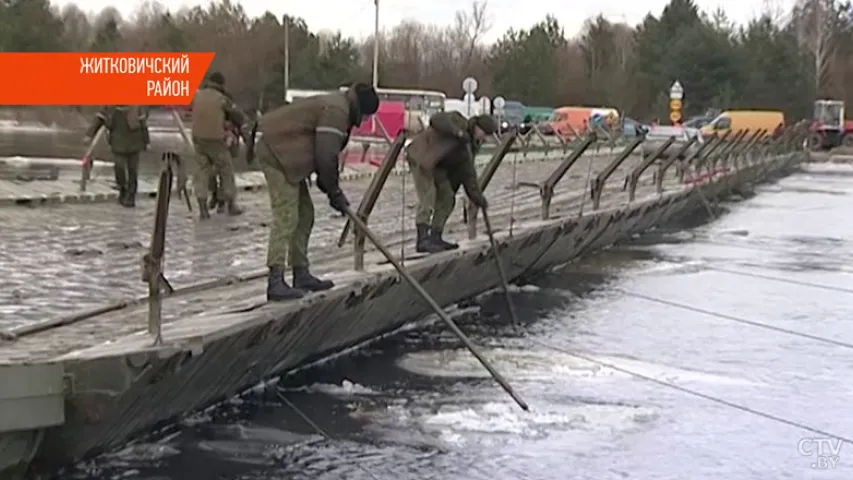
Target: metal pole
<point x="286" y="56"/>
<point x="359" y="223"/>
<point x="87" y="160"/>
<point x="376" y="45"/>
<point x="499" y="264"/>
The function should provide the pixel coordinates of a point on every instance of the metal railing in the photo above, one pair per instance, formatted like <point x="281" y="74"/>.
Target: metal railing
<point x="742" y="149"/>
<point x="368" y="201"/>
<point x="546" y="187"/>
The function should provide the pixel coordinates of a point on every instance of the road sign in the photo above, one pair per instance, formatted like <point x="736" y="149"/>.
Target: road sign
<point x="499" y="103"/>
<point x="469" y="85"/>
<point x="675" y="116"/>
<point x="675" y="104"/>
<point x="676" y="92"/>
<point x="485" y="104"/>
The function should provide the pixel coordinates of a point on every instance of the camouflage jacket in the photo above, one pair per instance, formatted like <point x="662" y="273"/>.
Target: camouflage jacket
<point x="212" y="107"/>
<point x="291" y="133"/>
<point x="446" y="148"/>
<point x="127" y="128"/>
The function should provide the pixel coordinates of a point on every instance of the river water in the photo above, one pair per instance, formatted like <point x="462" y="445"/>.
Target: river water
<point x="416" y="406"/>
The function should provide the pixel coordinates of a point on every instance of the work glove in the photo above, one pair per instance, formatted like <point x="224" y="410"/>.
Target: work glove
<point x="339" y="201"/>
<point x="480" y="201"/>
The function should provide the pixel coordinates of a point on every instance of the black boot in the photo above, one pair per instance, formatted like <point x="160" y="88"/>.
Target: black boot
<point x="203" y="212"/>
<point x="122" y="194"/>
<point x="278" y="290"/>
<point x="129" y="198"/>
<point x="303" y="280"/>
<point x="436" y="239"/>
<point x="130" y="194"/>
<point x="234" y="209"/>
<point x="220" y="207"/>
<point x="425" y="243"/>
<point x="213" y="202"/>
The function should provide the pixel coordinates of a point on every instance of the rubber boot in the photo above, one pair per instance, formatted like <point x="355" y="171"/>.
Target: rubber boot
<point x="278" y="290"/>
<point x="122" y="194"/>
<point x="425" y="243"/>
<point x="220" y="207"/>
<point x="303" y="280"/>
<point x="213" y="203"/>
<point x="234" y="209"/>
<point x="436" y="239"/>
<point x="203" y="212"/>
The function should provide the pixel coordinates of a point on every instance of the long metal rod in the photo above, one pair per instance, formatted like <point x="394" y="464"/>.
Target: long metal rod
<point x="286" y="56"/>
<point x="501" y="271"/>
<point x="317" y="428"/>
<point x="436" y="307"/>
<point x="376" y="45"/>
<point x="87" y="162"/>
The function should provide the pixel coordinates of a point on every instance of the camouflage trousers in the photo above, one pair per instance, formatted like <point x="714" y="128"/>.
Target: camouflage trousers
<point x="214" y="185"/>
<point x="292" y="219"/>
<point x="213" y="159"/>
<point x="126" y="169"/>
<point x="436" y="196"/>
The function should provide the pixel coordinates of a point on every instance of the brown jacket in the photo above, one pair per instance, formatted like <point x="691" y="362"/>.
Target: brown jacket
<point x="211" y="108"/>
<point x="290" y="132"/>
<point x="440" y="147"/>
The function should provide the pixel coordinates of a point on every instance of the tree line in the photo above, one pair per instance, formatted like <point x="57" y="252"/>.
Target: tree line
<point x="779" y="60"/>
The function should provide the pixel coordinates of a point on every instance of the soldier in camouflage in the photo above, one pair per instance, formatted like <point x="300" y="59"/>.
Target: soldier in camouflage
<point x="127" y="133"/>
<point x="441" y="158"/>
<point x="211" y="108"/>
<point x="299" y="139"/>
<point x="232" y="141"/>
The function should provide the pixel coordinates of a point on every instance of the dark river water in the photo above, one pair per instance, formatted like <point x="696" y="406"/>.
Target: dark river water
<point x="417" y="406"/>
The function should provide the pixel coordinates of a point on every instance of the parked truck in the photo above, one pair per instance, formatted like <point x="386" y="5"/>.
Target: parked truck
<point x="829" y="129"/>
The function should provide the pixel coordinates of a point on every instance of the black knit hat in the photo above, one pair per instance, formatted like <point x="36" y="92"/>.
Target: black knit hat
<point x="368" y="101"/>
<point x="217" y="78"/>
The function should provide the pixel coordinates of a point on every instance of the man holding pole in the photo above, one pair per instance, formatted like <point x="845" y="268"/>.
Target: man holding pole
<point x="211" y="108"/>
<point x="299" y="139"/>
<point x="128" y="135"/>
<point x="440" y="159"/>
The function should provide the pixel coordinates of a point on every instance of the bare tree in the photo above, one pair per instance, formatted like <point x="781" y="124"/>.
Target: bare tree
<point x="816" y="25"/>
<point x="468" y="30"/>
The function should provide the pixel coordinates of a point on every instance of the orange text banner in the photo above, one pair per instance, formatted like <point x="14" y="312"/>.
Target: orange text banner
<point x="88" y="78"/>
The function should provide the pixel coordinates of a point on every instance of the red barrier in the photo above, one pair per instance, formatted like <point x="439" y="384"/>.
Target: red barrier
<point x="392" y="116"/>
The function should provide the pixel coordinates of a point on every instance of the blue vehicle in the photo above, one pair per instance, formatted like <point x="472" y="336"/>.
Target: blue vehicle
<point x="632" y="128"/>
<point x="513" y="115"/>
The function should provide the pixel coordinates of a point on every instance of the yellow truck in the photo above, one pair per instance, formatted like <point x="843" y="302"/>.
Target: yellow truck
<point x="752" y="120"/>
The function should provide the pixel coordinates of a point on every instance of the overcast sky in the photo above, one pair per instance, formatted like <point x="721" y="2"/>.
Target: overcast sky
<point x="355" y="18"/>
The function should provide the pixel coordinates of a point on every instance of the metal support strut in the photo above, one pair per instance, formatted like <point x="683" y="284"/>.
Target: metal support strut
<point x="678" y="156"/>
<point x="546" y="188"/>
<point x="368" y="201"/>
<point x="152" y="262"/>
<point x="634" y="176"/>
<point x="597" y="186"/>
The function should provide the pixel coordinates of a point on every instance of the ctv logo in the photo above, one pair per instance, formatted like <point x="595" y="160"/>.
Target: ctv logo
<point x="826" y="452"/>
